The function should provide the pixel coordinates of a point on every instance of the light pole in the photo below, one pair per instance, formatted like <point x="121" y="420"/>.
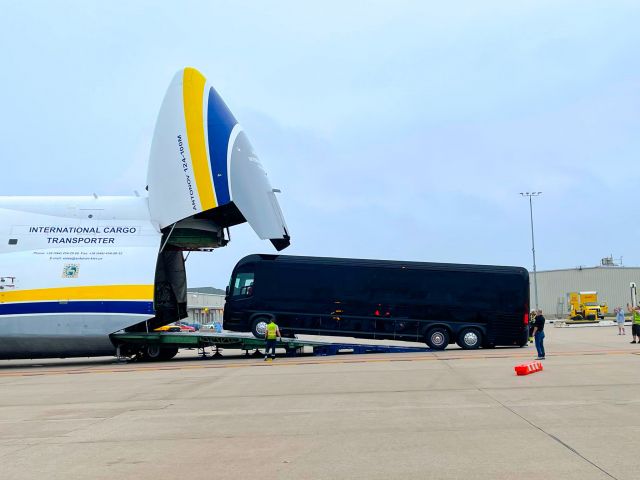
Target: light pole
<point x="533" y="243"/>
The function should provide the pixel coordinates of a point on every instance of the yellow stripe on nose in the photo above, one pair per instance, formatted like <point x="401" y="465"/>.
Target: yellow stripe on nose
<point x="192" y="97"/>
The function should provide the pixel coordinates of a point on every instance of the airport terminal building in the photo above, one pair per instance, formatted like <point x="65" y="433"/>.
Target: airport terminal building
<point x="611" y="282"/>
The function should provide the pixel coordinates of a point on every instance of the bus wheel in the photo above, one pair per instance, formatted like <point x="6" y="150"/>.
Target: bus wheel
<point x="438" y="338"/>
<point x="470" y="339"/>
<point x="259" y="327"/>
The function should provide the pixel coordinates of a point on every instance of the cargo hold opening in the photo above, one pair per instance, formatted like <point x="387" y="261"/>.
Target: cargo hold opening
<point x="169" y="293"/>
<point x="197" y="233"/>
<point x="170" y="289"/>
<point x="170" y="282"/>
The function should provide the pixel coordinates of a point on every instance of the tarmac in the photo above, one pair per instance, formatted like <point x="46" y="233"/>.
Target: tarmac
<point x="443" y="415"/>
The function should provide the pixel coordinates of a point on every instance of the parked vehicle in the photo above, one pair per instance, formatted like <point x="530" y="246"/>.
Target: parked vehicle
<point x="585" y="306"/>
<point x="436" y="303"/>
<point x="214" y="327"/>
<point x="175" y="328"/>
<point x="193" y="327"/>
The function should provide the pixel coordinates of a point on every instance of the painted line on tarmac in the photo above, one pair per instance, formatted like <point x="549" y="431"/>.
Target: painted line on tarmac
<point x="431" y="356"/>
<point x="287" y="362"/>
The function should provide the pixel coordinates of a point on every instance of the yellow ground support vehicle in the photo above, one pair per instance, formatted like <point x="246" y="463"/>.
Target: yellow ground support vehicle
<point x="585" y="306"/>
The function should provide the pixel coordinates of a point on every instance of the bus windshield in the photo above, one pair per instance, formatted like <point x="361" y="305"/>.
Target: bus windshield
<point x="242" y="284"/>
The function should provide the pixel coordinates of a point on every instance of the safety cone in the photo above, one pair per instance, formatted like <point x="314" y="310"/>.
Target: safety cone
<point x="527" y="368"/>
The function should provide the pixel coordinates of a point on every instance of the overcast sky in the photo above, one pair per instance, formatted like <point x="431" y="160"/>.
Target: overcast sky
<point x="399" y="130"/>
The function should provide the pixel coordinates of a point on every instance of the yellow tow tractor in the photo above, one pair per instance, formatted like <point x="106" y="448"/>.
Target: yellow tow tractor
<point x="585" y="306"/>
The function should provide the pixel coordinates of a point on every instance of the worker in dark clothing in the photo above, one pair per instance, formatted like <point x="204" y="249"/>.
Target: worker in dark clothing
<point x="271" y="335"/>
<point x="538" y="334"/>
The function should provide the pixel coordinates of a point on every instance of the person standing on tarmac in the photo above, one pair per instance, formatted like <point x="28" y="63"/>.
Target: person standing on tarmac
<point x="271" y="336"/>
<point x="620" y="320"/>
<point x="635" y="326"/>
<point x="538" y="334"/>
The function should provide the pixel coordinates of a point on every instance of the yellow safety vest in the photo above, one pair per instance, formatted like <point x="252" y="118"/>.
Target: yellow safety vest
<point x="271" y="331"/>
<point x="636" y="317"/>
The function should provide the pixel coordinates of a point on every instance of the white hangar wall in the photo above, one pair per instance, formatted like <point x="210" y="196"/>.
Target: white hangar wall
<point x="611" y="283"/>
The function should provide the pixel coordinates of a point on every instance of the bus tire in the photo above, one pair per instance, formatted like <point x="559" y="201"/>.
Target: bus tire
<point x="470" y="338"/>
<point x="259" y="327"/>
<point x="437" y="338"/>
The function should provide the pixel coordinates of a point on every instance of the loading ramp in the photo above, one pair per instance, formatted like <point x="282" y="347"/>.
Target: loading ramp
<point x="247" y="342"/>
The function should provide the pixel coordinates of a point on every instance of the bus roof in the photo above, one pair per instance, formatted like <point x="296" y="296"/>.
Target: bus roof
<point x="457" y="267"/>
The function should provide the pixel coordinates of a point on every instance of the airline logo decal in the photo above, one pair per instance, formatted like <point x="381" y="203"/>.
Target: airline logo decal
<point x="71" y="270"/>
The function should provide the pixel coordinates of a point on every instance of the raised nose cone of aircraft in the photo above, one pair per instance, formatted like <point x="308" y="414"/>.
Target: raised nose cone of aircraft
<point x="203" y="172"/>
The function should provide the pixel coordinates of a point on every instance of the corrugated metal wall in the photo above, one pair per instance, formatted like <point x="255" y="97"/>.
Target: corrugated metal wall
<point x="205" y="308"/>
<point x="611" y="283"/>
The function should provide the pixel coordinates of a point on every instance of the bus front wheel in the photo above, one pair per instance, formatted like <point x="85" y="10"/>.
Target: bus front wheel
<point x="470" y="338"/>
<point x="438" y="338"/>
<point x="259" y="327"/>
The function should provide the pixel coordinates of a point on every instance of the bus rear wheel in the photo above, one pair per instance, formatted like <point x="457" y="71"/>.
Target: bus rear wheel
<point x="470" y="338"/>
<point x="438" y="338"/>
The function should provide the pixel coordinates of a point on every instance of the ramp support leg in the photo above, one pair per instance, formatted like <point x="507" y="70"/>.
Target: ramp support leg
<point x="119" y="357"/>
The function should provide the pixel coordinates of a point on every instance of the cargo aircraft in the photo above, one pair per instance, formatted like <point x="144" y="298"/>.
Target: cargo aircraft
<point x="74" y="270"/>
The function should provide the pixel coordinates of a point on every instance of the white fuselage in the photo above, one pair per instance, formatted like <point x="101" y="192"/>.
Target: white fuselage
<point x="72" y="271"/>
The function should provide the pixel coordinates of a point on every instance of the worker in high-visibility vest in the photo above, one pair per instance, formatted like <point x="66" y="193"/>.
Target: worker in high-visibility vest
<point x="271" y="335"/>
<point x="635" y="326"/>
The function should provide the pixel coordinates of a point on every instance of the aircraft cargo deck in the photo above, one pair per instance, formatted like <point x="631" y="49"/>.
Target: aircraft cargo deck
<point x="247" y="342"/>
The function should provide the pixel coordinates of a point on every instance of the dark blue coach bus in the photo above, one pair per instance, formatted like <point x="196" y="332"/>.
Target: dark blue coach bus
<point x="436" y="303"/>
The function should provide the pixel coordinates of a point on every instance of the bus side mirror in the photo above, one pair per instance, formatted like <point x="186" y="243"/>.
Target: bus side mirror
<point x="226" y="290"/>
